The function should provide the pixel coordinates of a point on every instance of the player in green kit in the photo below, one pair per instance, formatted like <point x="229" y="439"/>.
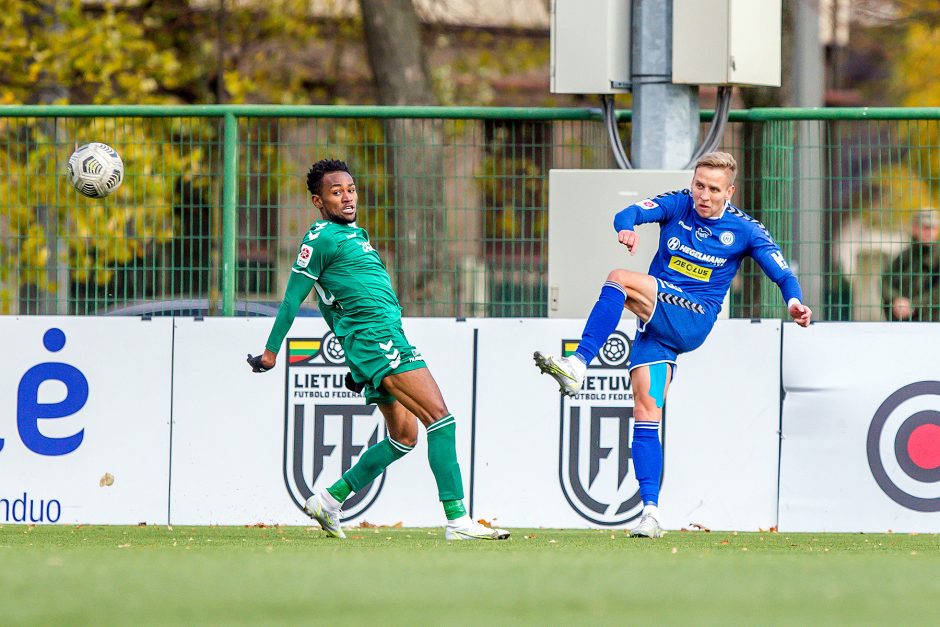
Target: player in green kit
<point x="358" y="303"/>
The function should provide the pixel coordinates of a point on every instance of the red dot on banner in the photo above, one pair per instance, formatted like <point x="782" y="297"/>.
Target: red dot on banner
<point x="924" y="446"/>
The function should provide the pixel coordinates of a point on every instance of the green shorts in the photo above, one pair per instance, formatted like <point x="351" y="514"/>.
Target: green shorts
<point x="372" y="354"/>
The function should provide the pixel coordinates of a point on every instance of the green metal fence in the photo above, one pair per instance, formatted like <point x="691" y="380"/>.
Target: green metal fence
<point x="214" y="202"/>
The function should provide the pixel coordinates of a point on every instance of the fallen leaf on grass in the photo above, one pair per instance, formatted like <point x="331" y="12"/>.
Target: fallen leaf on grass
<point x="725" y="542"/>
<point x="258" y="525"/>
<point x="106" y="480"/>
<point x="123" y="546"/>
<point x="698" y="527"/>
<point x="365" y="524"/>
<point x="485" y="523"/>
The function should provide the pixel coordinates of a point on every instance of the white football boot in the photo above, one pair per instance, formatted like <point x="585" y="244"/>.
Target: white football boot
<point x="328" y="518"/>
<point x="648" y="527"/>
<point x="465" y="528"/>
<point x="567" y="371"/>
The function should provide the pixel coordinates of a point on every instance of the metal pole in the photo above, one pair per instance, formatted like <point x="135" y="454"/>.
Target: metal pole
<point x="809" y="211"/>
<point x="665" y="116"/>
<point x="229" y="217"/>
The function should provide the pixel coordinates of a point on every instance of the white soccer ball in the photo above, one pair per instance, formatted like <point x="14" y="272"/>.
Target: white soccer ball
<point x="95" y="169"/>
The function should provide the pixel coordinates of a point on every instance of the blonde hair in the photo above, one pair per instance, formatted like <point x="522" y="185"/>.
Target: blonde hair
<point x="719" y="160"/>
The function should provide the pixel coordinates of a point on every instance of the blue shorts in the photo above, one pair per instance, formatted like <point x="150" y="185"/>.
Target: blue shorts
<point x="679" y="324"/>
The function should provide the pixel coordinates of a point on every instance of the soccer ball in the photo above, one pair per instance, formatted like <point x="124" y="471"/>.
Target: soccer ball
<point x="95" y="169"/>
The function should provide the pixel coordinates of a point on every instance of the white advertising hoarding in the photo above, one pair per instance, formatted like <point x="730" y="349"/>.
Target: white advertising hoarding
<point x="544" y="460"/>
<point x="724" y="430"/>
<point x="861" y="427"/>
<point x="121" y="421"/>
<point x="250" y="448"/>
<point x="85" y="420"/>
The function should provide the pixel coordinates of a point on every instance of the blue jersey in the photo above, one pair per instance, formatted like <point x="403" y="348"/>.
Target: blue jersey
<point x="701" y="255"/>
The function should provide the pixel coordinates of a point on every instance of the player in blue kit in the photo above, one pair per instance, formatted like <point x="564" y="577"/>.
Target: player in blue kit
<point x="703" y="239"/>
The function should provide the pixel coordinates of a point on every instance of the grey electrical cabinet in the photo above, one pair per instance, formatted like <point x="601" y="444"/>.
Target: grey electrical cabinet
<point x="726" y="42"/>
<point x="582" y="244"/>
<point x="590" y="46"/>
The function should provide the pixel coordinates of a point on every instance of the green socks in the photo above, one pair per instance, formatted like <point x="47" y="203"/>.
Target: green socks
<point x="442" y="455"/>
<point x="340" y="490"/>
<point x="370" y="465"/>
<point x="454" y="509"/>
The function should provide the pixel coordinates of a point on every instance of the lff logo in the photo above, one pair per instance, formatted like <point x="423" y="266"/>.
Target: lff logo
<point x="30" y="409"/>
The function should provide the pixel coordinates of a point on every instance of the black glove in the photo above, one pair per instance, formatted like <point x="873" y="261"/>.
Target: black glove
<point x="255" y="363"/>
<point x="352" y="385"/>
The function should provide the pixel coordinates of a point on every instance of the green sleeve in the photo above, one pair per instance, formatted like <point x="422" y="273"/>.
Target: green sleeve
<point x="298" y="286"/>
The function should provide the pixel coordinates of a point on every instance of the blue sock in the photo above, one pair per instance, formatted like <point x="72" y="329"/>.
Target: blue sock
<point x="647" y="460"/>
<point x="602" y="321"/>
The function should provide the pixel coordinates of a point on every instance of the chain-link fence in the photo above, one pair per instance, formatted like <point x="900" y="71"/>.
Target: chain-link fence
<point x="214" y="204"/>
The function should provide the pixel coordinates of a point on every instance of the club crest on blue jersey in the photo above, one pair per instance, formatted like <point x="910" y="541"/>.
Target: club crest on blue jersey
<point x="595" y="461"/>
<point x="326" y="426"/>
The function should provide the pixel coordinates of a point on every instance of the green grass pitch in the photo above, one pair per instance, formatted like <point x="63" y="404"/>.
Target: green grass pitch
<point x="103" y="575"/>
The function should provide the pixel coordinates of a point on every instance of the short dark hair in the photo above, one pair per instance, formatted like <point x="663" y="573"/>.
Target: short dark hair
<point x="321" y="167"/>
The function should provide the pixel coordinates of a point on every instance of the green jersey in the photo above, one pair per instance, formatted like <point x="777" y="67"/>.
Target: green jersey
<point x="352" y="285"/>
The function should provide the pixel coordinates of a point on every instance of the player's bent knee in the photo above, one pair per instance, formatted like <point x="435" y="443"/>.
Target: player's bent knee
<point x="628" y="279"/>
<point x="406" y="444"/>
<point x="621" y="277"/>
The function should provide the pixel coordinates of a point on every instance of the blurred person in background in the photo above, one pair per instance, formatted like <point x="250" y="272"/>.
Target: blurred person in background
<point x="910" y="288"/>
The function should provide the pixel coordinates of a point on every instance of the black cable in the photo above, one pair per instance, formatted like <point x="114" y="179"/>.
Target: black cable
<point x="713" y="136"/>
<point x="716" y="128"/>
<point x="610" y="121"/>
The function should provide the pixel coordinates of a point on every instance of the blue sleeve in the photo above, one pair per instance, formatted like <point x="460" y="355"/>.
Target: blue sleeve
<point x="771" y="260"/>
<point x="649" y="210"/>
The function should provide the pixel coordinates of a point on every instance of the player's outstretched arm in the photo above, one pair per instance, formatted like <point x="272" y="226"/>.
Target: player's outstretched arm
<point x="298" y="287"/>
<point x="800" y="313"/>
<point x="630" y="239"/>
